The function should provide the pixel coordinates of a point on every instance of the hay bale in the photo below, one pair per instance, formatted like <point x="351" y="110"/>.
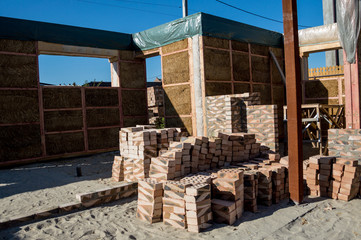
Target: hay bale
<point x="132" y="122"/>
<point x="103" y="138"/>
<point x="7" y="45"/>
<point x="217" y="65"/>
<point x="240" y="63"/>
<point x="259" y="49"/>
<point x="241" y="88"/>
<point x="216" y="88"/>
<point x="265" y="91"/>
<point x="102" y="117"/>
<point x="132" y="75"/>
<point x="101" y="97"/>
<point x="321" y="89"/>
<point x="176" y="46"/>
<point x="260" y="69"/>
<point x="184" y="122"/>
<point x="54" y="98"/>
<point x="63" y="120"/>
<point x="276" y="76"/>
<point x="175" y="68"/>
<point x="215" y="42"/>
<point x="134" y="103"/>
<point x="19" y="106"/>
<point x="18" y="71"/>
<point x="240" y="46"/>
<point x="20" y="142"/>
<point x="177" y="100"/>
<point x="64" y="143"/>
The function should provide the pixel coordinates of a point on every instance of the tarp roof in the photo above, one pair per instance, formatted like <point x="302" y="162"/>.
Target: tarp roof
<point x="196" y="24"/>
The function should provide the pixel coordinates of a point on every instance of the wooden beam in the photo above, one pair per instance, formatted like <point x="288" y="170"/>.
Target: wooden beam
<point x="293" y="89"/>
<point x="319" y="47"/>
<point x="69" y="50"/>
<point x="147" y="53"/>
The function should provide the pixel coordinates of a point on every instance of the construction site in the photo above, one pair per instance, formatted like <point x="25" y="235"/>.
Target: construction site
<point x="239" y="139"/>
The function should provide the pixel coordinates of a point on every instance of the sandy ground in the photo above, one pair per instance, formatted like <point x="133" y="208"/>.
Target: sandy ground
<point x="34" y="187"/>
<point x="317" y="219"/>
<point x="30" y="188"/>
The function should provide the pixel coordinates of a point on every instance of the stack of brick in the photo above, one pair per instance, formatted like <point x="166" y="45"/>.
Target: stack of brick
<point x="137" y="146"/>
<point x="348" y="172"/>
<point x="215" y="148"/>
<point x="312" y="176"/>
<point x="183" y="167"/>
<point x="164" y="136"/>
<point x="324" y="177"/>
<point x="226" y="147"/>
<point x="278" y="183"/>
<point x="228" y="187"/>
<point x="164" y="168"/>
<point x="250" y="190"/>
<point x="198" y="178"/>
<point x="196" y="145"/>
<point x="174" y="206"/>
<point x="198" y="207"/>
<point x="264" y="186"/>
<point x="203" y="159"/>
<point x="118" y="169"/>
<point x="150" y="193"/>
<point x="227" y="113"/>
<point x="262" y="120"/>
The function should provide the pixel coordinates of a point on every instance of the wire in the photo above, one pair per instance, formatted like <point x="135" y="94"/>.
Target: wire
<point x="136" y="9"/>
<point x="257" y="15"/>
<point x="153" y="4"/>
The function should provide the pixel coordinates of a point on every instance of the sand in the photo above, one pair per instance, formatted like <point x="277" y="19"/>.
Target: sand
<point x="28" y="188"/>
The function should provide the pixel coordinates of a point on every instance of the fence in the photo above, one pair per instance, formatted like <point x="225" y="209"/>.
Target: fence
<point x="325" y="71"/>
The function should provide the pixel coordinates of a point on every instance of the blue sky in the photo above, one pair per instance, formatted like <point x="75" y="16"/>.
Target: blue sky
<point x="130" y="16"/>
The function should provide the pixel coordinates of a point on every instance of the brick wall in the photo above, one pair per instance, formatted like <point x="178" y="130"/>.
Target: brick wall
<point x="243" y="113"/>
<point x="262" y="120"/>
<point x="344" y="142"/>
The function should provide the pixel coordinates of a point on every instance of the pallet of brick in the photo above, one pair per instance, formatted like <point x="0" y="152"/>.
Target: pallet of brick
<point x="150" y="194"/>
<point x="238" y="147"/>
<point x="324" y="177"/>
<point x="174" y="205"/>
<point x="350" y="180"/>
<point x="312" y="176"/>
<point x="198" y="207"/>
<point x="162" y="169"/>
<point x="118" y="169"/>
<point x="250" y="190"/>
<point x="224" y="211"/>
<point x="264" y="186"/>
<point x="229" y="186"/>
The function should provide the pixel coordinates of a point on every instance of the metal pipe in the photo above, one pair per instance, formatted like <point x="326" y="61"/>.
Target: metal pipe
<point x="185" y="7"/>
<point x="278" y="67"/>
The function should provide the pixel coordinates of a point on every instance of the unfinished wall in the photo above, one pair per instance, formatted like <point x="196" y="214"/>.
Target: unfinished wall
<point x="326" y="91"/>
<point x="177" y="85"/>
<point x="232" y="67"/>
<point x="42" y="122"/>
<point x="243" y="113"/>
<point x="19" y="97"/>
<point x="345" y="143"/>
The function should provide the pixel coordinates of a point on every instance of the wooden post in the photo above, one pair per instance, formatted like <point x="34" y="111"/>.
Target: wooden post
<point x="352" y="94"/>
<point x="293" y="89"/>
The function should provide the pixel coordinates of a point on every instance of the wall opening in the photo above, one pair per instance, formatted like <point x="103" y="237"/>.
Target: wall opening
<point x="74" y="71"/>
<point x="155" y="93"/>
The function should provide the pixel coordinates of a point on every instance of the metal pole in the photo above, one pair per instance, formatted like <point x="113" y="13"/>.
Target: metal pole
<point x="293" y="86"/>
<point x="185" y="8"/>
